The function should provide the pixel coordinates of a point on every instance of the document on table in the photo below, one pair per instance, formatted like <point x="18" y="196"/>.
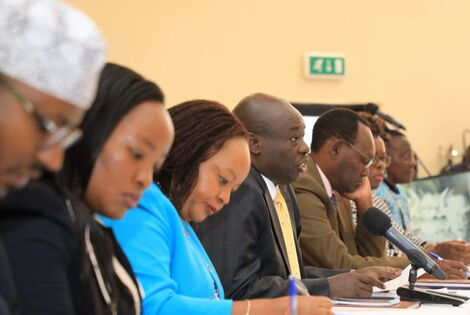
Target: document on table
<point x="399" y="281"/>
<point x="377" y="299"/>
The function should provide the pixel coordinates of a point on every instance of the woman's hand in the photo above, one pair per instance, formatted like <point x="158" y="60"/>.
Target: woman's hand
<point x="306" y="305"/>
<point x="313" y="305"/>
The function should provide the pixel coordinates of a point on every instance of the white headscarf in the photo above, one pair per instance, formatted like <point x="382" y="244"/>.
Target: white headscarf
<point x="51" y="47"/>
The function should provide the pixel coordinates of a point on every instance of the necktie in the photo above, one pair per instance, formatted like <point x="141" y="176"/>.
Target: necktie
<point x="287" y="233"/>
<point x="334" y="201"/>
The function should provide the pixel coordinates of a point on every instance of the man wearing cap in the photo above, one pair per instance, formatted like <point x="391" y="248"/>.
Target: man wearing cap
<point x="51" y="56"/>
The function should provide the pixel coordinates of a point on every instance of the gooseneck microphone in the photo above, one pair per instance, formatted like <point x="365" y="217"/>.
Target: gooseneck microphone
<point x="379" y="223"/>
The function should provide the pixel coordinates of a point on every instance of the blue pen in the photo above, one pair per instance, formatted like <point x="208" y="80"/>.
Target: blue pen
<point x="293" y="295"/>
<point x="437" y="257"/>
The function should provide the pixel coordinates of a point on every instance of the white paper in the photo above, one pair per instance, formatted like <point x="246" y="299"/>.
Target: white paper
<point x="395" y="299"/>
<point x="401" y="280"/>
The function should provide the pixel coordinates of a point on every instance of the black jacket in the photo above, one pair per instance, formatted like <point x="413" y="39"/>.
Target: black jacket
<point x="47" y="256"/>
<point x="8" y="296"/>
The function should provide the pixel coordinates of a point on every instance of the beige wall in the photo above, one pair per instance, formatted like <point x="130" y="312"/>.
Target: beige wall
<point x="411" y="57"/>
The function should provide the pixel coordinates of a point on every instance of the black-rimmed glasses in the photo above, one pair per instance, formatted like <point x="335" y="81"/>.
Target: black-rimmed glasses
<point x="367" y="160"/>
<point x="64" y="136"/>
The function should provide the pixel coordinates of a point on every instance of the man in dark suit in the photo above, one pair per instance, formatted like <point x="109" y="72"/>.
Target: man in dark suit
<point x="253" y="242"/>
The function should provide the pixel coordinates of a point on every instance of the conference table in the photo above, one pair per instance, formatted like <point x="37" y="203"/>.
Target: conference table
<point x="424" y="309"/>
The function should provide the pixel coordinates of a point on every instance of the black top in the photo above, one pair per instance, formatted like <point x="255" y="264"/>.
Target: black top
<point x="48" y="261"/>
<point x="8" y="297"/>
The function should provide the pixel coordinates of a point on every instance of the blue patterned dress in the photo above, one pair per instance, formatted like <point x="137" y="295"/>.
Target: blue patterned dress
<point x="397" y="202"/>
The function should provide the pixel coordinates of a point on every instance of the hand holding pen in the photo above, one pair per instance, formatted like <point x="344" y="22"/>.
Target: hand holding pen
<point x="306" y="304"/>
<point x="293" y="295"/>
<point x="453" y="269"/>
<point x="458" y="250"/>
<point x="313" y="305"/>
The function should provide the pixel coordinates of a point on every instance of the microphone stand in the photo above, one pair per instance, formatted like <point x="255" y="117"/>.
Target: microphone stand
<point x="412" y="277"/>
<point x="411" y="293"/>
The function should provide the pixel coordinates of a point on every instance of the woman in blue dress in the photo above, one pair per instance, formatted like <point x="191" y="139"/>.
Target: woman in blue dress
<point x="209" y="160"/>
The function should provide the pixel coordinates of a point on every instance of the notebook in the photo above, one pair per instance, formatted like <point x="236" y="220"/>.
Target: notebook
<point x="377" y="299"/>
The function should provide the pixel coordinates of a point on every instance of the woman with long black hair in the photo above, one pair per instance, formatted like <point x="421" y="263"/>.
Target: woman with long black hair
<point x="64" y="261"/>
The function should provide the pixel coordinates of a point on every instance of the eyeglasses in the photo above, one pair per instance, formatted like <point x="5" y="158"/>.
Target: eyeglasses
<point x="65" y="136"/>
<point x="367" y="160"/>
<point x="386" y="160"/>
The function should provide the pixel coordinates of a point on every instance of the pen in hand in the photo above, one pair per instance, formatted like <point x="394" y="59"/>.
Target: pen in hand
<point x="301" y="288"/>
<point x="437" y="257"/>
<point x="296" y="287"/>
<point x="293" y="295"/>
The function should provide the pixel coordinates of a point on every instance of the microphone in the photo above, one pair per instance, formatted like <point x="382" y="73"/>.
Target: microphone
<point x="379" y="223"/>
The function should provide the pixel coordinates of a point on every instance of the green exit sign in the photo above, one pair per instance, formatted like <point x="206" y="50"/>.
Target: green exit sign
<point x="325" y="65"/>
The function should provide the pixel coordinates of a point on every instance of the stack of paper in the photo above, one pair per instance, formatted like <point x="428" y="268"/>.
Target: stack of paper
<point x="377" y="299"/>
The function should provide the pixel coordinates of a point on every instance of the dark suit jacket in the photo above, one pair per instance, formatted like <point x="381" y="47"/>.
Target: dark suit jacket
<point x="245" y="244"/>
<point x="329" y="238"/>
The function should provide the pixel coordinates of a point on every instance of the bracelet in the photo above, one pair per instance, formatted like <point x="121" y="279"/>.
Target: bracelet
<point x="248" y="307"/>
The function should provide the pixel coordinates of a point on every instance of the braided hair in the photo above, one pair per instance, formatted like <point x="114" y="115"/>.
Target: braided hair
<point x="377" y="125"/>
<point x="201" y="129"/>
